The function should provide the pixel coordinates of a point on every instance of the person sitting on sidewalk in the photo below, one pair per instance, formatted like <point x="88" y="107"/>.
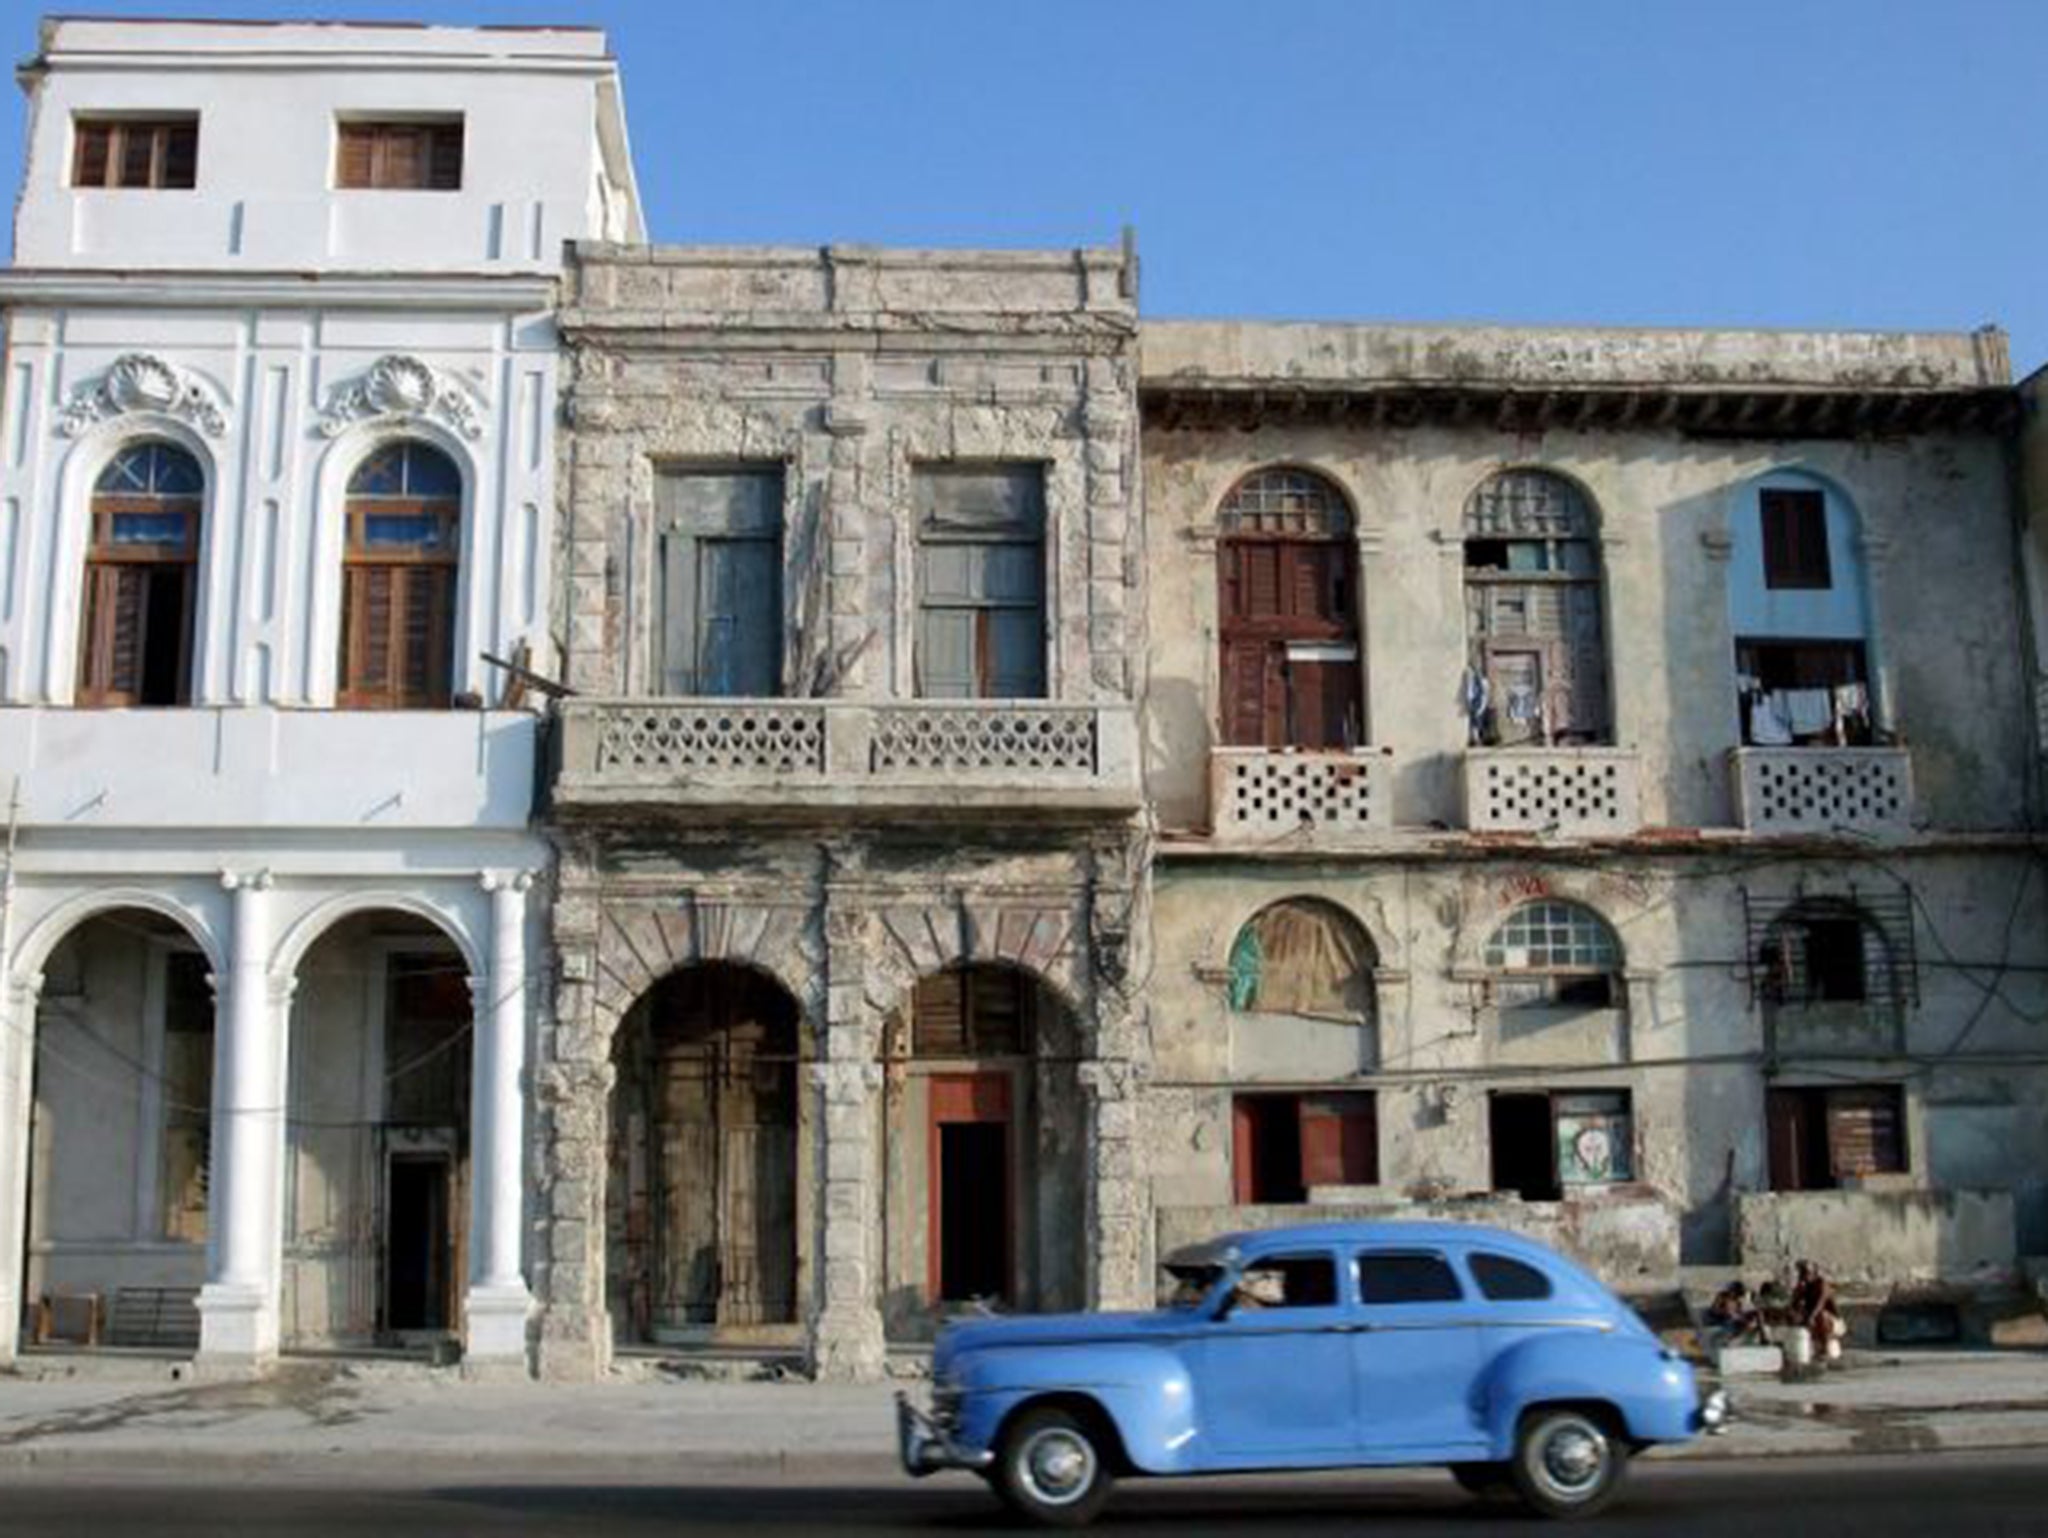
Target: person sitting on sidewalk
<point x="1814" y="1310"/>
<point x="1733" y="1319"/>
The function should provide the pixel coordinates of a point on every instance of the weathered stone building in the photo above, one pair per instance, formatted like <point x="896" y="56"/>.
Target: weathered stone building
<point x="1594" y="772"/>
<point x="851" y="896"/>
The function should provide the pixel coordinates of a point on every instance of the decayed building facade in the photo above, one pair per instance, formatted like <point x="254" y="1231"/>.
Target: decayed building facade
<point x="278" y="474"/>
<point x="850" y="911"/>
<point x="1596" y="787"/>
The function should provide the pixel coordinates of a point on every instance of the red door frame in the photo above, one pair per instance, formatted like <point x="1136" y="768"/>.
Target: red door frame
<point x="969" y="1098"/>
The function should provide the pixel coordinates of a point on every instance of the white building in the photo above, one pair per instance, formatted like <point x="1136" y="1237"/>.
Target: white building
<point x="278" y="473"/>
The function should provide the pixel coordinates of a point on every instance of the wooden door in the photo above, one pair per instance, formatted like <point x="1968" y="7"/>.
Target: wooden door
<point x="1788" y="1115"/>
<point x="971" y="1172"/>
<point x="1290" y="669"/>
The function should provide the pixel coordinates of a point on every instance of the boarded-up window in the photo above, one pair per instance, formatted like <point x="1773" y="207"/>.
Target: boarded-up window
<point x="140" y="578"/>
<point x="1288" y="600"/>
<point x="1821" y="1137"/>
<point x="404" y="514"/>
<point x="161" y="153"/>
<point x="1281" y="1145"/>
<point x="974" y="1012"/>
<point x="400" y="156"/>
<point x="186" y="1166"/>
<point x="980" y="581"/>
<point x="719" y="630"/>
<point x="1552" y="955"/>
<point x="1795" y="530"/>
<point x="1825" y="951"/>
<point x="1537" y="651"/>
<point x="1302" y="957"/>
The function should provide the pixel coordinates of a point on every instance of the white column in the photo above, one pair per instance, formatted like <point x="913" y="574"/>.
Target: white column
<point x="17" y="1068"/>
<point x="238" y="1306"/>
<point x="496" y="1311"/>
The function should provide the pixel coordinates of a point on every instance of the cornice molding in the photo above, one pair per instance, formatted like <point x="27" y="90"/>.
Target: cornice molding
<point x="215" y="290"/>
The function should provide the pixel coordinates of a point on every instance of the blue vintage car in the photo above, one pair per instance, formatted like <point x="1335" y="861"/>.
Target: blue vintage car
<point x="1330" y="1346"/>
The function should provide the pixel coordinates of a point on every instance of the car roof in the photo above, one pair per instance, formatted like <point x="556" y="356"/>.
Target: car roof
<point x="1263" y="1241"/>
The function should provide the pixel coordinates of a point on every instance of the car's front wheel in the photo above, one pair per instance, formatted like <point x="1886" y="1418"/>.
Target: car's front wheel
<point x="1567" y="1462"/>
<point x="1053" y="1468"/>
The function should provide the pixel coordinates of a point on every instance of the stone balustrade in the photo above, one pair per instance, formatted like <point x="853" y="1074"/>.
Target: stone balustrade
<point x="793" y="755"/>
<point x="1328" y="795"/>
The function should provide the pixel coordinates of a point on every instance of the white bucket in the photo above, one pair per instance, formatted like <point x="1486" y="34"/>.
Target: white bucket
<point x="1798" y="1344"/>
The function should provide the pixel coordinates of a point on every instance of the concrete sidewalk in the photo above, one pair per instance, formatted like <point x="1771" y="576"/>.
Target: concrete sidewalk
<point x="317" y="1420"/>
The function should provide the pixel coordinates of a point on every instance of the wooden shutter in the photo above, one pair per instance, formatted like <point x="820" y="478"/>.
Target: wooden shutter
<point x="116" y="621"/>
<point x="355" y="155"/>
<point x="1243" y="1152"/>
<point x="938" y="1016"/>
<point x="737" y="644"/>
<point x="444" y="157"/>
<point x="1786" y="1112"/>
<point x="1795" y="539"/>
<point x="180" y="155"/>
<point x="1339" y="1140"/>
<point x="94" y="154"/>
<point x="1864" y="1135"/>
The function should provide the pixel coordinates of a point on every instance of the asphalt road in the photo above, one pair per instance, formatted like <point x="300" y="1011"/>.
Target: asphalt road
<point x="1956" y="1495"/>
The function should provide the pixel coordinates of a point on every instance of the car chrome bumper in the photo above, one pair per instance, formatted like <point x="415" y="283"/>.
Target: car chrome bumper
<point x="927" y="1447"/>
<point x="1714" y="1413"/>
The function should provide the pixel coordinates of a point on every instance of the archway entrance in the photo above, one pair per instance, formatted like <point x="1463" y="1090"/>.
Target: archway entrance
<point x="377" y="1140"/>
<point x="983" y="1184"/>
<point x="701" y="1204"/>
<point x="120" y="1138"/>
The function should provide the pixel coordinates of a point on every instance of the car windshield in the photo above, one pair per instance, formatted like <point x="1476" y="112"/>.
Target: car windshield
<point x="1184" y="1286"/>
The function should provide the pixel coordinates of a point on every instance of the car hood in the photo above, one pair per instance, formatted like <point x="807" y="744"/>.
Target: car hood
<point x="1053" y="1330"/>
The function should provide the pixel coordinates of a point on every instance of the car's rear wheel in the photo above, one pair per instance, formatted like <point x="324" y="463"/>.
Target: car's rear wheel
<point x="1053" y="1468"/>
<point x="1488" y="1481"/>
<point x="1568" y="1462"/>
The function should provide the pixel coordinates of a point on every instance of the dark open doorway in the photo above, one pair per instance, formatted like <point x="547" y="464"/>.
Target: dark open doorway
<point x="418" y="1254"/>
<point x="1524" y="1155"/>
<point x="974" y="1174"/>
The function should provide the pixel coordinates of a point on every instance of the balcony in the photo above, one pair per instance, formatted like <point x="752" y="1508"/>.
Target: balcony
<point x="775" y="757"/>
<point x="1573" y="792"/>
<point x="1823" y="790"/>
<point x="1320" y="797"/>
<point x="256" y="767"/>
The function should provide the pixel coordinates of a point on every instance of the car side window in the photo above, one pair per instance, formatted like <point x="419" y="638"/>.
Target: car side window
<point x="1286" y="1281"/>
<point x="1386" y="1276"/>
<point x="1507" y="1281"/>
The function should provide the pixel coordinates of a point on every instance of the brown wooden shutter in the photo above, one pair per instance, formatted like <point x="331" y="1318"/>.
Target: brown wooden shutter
<point x="1786" y="1113"/>
<point x="180" y="155"/>
<point x="1339" y="1140"/>
<point x="1864" y="1136"/>
<point x="355" y="155"/>
<point x="444" y="157"/>
<point x="94" y="154"/>
<point x="1243" y="1153"/>
<point x="117" y="600"/>
<point x="938" y="1016"/>
<point x="1795" y="538"/>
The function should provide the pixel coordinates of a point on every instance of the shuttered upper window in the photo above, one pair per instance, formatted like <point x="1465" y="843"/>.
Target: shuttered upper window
<point x="980" y="581"/>
<point x="399" y="156"/>
<point x="719" y="545"/>
<point x="1286" y="574"/>
<point x="140" y="578"/>
<point x="135" y="152"/>
<point x="1795" y="525"/>
<point x="404" y="516"/>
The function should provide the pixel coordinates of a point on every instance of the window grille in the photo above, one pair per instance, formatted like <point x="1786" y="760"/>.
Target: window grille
<point x="1795" y="948"/>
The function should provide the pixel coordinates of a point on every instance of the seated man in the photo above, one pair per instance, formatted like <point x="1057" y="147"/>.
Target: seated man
<point x="1733" y="1318"/>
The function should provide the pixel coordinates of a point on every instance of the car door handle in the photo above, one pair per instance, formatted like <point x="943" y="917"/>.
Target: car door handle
<point x="1351" y="1329"/>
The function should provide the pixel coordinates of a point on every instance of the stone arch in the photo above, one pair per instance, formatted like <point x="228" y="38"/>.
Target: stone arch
<point x="638" y="946"/>
<point x="1319" y="934"/>
<point x="53" y="927"/>
<point x="1042" y="940"/>
<point x="443" y="915"/>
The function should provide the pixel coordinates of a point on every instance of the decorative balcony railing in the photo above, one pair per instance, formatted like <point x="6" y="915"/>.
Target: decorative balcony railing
<point x="1327" y="795"/>
<point x="1823" y="790"/>
<point x="774" y="755"/>
<point x="1573" y="792"/>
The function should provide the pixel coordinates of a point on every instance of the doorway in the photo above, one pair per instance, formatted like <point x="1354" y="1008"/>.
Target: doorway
<point x="418" y="1252"/>
<point x="972" y="1184"/>
<point x="1524" y="1158"/>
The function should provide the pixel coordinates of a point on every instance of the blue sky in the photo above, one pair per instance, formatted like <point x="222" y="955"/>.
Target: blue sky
<point x="1801" y="163"/>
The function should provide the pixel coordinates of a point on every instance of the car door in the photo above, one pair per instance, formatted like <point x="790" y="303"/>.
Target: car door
<point x="1273" y="1378"/>
<point x="1415" y="1357"/>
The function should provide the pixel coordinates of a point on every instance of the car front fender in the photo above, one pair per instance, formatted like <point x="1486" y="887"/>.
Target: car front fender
<point x="1145" y="1391"/>
<point x="1653" y="1392"/>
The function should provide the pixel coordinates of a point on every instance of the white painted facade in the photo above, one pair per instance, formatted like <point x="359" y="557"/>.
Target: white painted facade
<point x="279" y="330"/>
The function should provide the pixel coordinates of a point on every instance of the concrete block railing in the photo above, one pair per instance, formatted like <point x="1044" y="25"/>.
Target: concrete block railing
<point x="1329" y="795"/>
<point x="1823" y="790"/>
<point x="1574" y="792"/>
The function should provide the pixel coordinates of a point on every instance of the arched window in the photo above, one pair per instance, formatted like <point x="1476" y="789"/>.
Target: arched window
<point x="1553" y="954"/>
<point x="1288" y="596"/>
<point x="1536" y="644"/>
<point x="398" y="579"/>
<point x="1825" y="951"/>
<point x="1797" y="607"/>
<point x="141" y="578"/>
<point x="1302" y="957"/>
